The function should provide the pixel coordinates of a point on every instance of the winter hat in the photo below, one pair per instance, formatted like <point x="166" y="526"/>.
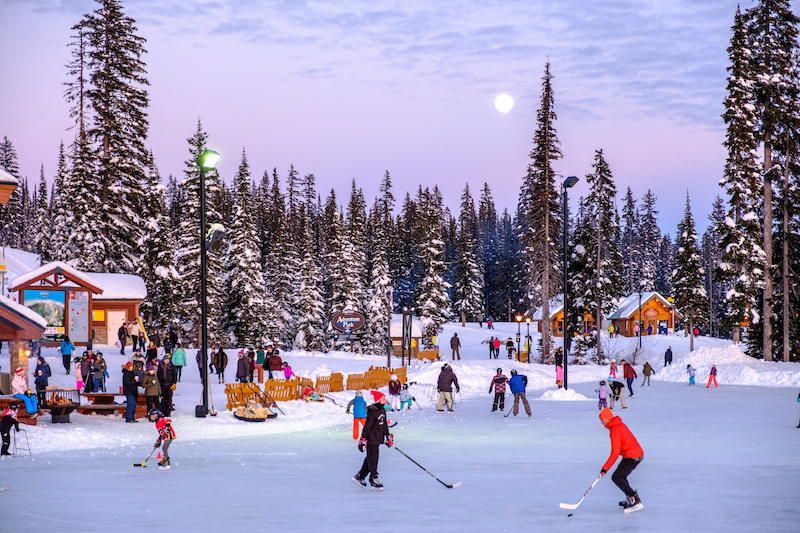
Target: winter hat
<point x="606" y="414"/>
<point x="602" y="383"/>
<point x="128" y="365"/>
<point x="393" y="377"/>
<point x="359" y="393"/>
<point x="377" y="395"/>
<point x="499" y="370"/>
<point x="241" y="352"/>
<point x="20" y="370"/>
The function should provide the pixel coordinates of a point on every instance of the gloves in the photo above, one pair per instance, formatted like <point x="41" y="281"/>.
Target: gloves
<point x="414" y="399"/>
<point x="172" y="388"/>
<point x="389" y="440"/>
<point x="157" y="444"/>
<point x="348" y="412"/>
<point x="362" y="444"/>
<point x="458" y="389"/>
<point x="603" y="472"/>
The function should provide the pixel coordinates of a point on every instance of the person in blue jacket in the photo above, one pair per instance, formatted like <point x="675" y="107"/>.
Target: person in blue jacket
<point x="359" y="412"/>
<point x="518" y="383"/>
<point x="66" y="352"/>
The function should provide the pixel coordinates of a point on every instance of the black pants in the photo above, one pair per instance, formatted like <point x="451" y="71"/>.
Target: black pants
<point x="370" y="465"/>
<point x="499" y="401"/>
<point x="6" y="443"/>
<point x="122" y="345"/>
<point x="179" y="368"/>
<point x="152" y="402"/>
<point x="134" y="342"/>
<point x="166" y="399"/>
<point x="620" y="476"/>
<point x="66" y="359"/>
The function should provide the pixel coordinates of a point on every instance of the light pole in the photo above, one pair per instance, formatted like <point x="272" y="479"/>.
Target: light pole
<point x="528" y="337"/>
<point x="389" y="294"/>
<point x="568" y="184"/>
<point x="206" y="160"/>
<point x="641" y="324"/>
<point x="519" y="323"/>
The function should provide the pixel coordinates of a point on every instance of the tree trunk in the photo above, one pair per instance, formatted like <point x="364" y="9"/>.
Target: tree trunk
<point x="463" y="319"/>
<point x="766" y="315"/>
<point x="691" y="335"/>
<point x="598" y="319"/>
<point x="786" y="260"/>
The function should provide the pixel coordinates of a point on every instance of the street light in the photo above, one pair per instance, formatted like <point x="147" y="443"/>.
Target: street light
<point x="206" y="160"/>
<point x="519" y="323"/>
<point x="568" y="184"/>
<point x="528" y="337"/>
<point x="641" y="325"/>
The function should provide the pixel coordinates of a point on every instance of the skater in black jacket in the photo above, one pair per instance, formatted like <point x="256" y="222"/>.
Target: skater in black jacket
<point x="374" y="433"/>
<point x="9" y="419"/>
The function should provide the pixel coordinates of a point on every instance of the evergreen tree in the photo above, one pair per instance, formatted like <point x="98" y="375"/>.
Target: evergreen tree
<point x="377" y="329"/>
<point x="691" y="299"/>
<point x="245" y="277"/>
<point x="404" y="263"/>
<point x="666" y="260"/>
<point x="433" y="302"/>
<point x="712" y="259"/>
<point x="279" y="321"/>
<point x="469" y="279"/>
<point x="310" y="311"/>
<point x="60" y="210"/>
<point x="488" y="244"/>
<point x="85" y="244"/>
<point x="42" y="223"/>
<point x="11" y="212"/>
<point x="649" y="240"/>
<point x="631" y="253"/>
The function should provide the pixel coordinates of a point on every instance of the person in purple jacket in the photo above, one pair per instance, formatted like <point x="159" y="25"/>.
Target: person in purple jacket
<point x="712" y="377"/>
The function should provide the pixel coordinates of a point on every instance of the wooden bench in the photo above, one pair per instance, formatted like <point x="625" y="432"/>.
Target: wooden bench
<point x="22" y="414"/>
<point x="102" y="403"/>
<point x="428" y="355"/>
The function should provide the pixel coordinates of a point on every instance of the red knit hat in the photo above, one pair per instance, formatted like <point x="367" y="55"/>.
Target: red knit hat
<point x="606" y="414"/>
<point x="20" y="370"/>
<point x="377" y="395"/>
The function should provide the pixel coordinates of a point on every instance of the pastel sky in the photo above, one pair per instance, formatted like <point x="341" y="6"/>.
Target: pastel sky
<point x="349" y="88"/>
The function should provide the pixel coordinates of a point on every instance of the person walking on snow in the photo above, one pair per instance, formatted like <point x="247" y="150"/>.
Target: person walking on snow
<point x="491" y="347"/>
<point x="179" y="360"/>
<point x="220" y="363"/>
<point x="630" y="374"/>
<point x="625" y="444"/>
<point x="394" y="392"/>
<point x="692" y="372"/>
<point x="165" y="435"/>
<point x="447" y="379"/>
<point x="518" y="383"/>
<point x="647" y="371"/>
<point x="617" y="393"/>
<point x="67" y="349"/>
<point x="455" y="344"/>
<point x="496" y="345"/>
<point x="359" y="412"/>
<point x="122" y="335"/>
<point x="499" y="385"/>
<point x="134" y="331"/>
<point x="602" y="395"/>
<point x="375" y="433"/>
<point x="668" y="356"/>
<point x="712" y="377"/>
<point x="167" y="379"/>
<point x="510" y="347"/>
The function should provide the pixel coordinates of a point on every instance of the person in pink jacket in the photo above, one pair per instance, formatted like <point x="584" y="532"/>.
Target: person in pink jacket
<point x="559" y="376"/>
<point x="287" y="371"/>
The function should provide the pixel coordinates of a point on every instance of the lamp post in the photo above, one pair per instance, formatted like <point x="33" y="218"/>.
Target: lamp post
<point x="206" y="160"/>
<point x="389" y="294"/>
<point x="568" y="184"/>
<point x="641" y="324"/>
<point x="528" y="337"/>
<point x="519" y="324"/>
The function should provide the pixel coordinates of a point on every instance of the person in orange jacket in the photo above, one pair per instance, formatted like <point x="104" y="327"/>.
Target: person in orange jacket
<point x="622" y="443"/>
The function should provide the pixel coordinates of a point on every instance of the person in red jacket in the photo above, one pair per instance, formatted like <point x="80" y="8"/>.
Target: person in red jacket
<point x="630" y="375"/>
<point x="622" y="443"/>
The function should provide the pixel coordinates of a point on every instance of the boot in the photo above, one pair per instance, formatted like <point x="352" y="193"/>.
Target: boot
<point x="358" y="480"/>
<point x="375" y="484"/>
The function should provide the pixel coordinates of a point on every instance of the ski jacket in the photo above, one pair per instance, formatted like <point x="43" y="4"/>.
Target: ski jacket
<point x="713" y="371"/>
<point x="134" y="329"/>
<point x="629" y="371"/>
<point x="496" y="343"/>
<point x="359" y="407"/>
<point x="167" y="373"/>
<point x="129" y="384"/>
<point x="287" y="372"/>
<point x="42" y="373"/>
<point x="455" y="342"/>
<point x="7" y="421"/>
<point x="99" y="368"/>
<point x="151" y="385"/>
<point x="242" y="370"/>
<point x="613" y="370"/>
<point x="122" y="333"/>
<point x="179" y="357"/>
<point x="260" y="356"/>
<point x="155" y="338"/>
<point x="18" y="384"/>
<point x="446" y="380"/>
<point x="691" y="370"/>
<point x="499" y="384"/>
<point x="622" y="443"/>
<point x="275" y="362"/>
<point x="404" y="395"/>
<point x="67" y="348"/>
<point x="164" y="427"/>
<point x="603" y="392"/>
<point x="86" y="366"/>
<point x="518" y="383"/>
<point x="647" y="370"/>
<point x="375" y="428"/>
<point x="394" y="387"/>
<point x="668" y="354"/>
<point x="616" y="389"/>
<point x="152" y="353"/>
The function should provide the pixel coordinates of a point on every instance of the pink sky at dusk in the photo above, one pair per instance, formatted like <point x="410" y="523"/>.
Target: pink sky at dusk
<point x="350" y="89"/>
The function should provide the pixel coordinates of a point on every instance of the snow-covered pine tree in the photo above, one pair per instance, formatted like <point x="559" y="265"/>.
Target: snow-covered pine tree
<point x="433" y="302"/>
<point x="60" y="210"/>
<point x="375" y="338"/>
<point x="43" y="225"/>
<point x="509" y="260"/>
<point x="309" y="307"/>
<point x="631" y="253"/>
<point x="469" y="279"/>
<point x="86" y="244"/>
<point x="156" y="264"/>
<point x="772" y="30"/>
<point x="246" y="312"/>
<point x="691" y="299"/>
<point x="11" y="212"/>
<point x="277" y="283"/>
<point x="118" y="99"/>
<point x="580" y="272"/>
<point x="404" y="263"/>
<point x="540" y="211"/>
<point x="649" y="237"/>
<point x="605" y="265"/>
<point x="187" y="257"/>
<point x="741" y="233"/>
<point x="712" y="258"/>
<point x="489" y="251"/>
<point x="356" y="228"/>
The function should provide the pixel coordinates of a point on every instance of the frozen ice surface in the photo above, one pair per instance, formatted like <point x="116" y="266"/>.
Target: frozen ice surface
<point x="715" y="459"/>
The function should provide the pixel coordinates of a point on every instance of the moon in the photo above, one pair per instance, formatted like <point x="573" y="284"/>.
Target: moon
<point x="504" y="103"/>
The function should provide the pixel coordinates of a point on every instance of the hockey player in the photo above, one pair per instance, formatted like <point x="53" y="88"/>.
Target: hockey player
<point x="9" y="419"/>
<point x="165" y="435"/>
<point x="375" y="433"/>
<point x="622" y="443"/>
<point x="518" y="383"/>
<point x="499" y="385"/>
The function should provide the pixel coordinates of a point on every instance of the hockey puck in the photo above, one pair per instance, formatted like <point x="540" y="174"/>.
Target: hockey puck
<point x="570" y="514"/>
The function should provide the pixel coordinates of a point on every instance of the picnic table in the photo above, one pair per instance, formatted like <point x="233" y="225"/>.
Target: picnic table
<point x="103" y="403"/>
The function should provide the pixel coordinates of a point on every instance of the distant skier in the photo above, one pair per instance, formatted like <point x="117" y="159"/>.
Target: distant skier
<point x="66" y="349"/>
<point x="165" y="435"/>
<point x="359" y="412"/>
<point x="668" y="356"/>
<point x="617" y="393"/>
<point x="692" y="372"/>
<point x="647" y="371"/>
<point x="455" y="344"/>
<point x="518" y="383"/>
<point x="394" y="392"/>
<point x="712" y="377"/>
<point x="602" y="395"/>
<point x="9" y="419"/>
<point x="447" y="379"/>
<point x="499" y="385"/>
<point x="375" y="433"/>
<point x="630" y="374"/>
<point x="622" y="443"/>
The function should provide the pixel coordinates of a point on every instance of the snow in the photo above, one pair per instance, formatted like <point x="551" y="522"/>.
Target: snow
<point x="6" y="178"/>
<point x="396" y="327"/>
<point x="22" y="279"/>
<point x="120" y="287"/>
<point x="704" y="469"/>
<point x="630" y="304"/>
<point x="20" y="309"/>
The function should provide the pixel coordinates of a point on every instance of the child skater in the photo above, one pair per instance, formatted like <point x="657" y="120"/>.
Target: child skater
<point x="612" y="372"/>
<point x="712" y="378"/>
<point x="691" y="371"/>
<point x="359" y="412"/>
<point x="165" y="435"/>
<point x="603" y="394"/>
<point x="405" y="397"/>
<point x="287" y="371"/>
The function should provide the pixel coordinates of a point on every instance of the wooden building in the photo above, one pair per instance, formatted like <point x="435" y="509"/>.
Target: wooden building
<point x="656" y="312"/>
<point x="557" y="320"/>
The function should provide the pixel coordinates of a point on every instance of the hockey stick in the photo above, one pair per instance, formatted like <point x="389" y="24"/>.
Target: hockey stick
<point x="575" y="506"/>
<point x="453" y="486"/>
<point x="211" y="411"/>
<point x="509" y="412"/>
<point x="268" y="395"/>
<point x="144" y="464"/>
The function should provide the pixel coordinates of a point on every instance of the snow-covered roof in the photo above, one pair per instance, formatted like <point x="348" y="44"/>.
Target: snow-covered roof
<point x="628" y="306"/>
<point x="7" y="179"/>
<point x="120" y="287"/>
<point x="20" y="309"/>
<point x="396" y="327"/>
<point x="556" y="306"/>
<point x="55" y="265"/>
